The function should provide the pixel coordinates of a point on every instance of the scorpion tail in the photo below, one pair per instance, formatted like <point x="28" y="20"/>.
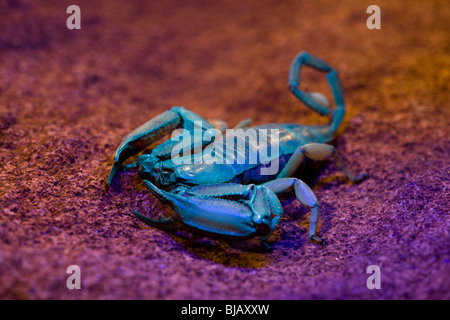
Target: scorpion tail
<point x="317" y="101"/>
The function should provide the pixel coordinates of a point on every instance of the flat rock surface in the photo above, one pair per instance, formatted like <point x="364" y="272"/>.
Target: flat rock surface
<point x="67" y="97"/>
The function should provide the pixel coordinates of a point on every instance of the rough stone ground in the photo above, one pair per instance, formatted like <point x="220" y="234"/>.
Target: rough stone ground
<point x="67" y="98"/>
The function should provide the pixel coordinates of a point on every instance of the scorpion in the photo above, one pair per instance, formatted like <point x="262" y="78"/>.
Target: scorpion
<point x="236" y="200"/>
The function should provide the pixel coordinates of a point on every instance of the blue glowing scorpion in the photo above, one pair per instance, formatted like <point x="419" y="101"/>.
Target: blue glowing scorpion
<point x="235" y="199"/>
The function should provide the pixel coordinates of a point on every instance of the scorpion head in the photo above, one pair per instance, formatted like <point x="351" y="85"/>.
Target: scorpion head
<point x="148" y="167"/>
<point x="153" y="169"/>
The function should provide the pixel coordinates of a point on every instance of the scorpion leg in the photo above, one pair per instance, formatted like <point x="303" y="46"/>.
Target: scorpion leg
<point x="152" y="131"/>
<point x="305" y="196"/>
<point x="318" y="152"/>
<point x="218" y="124"/>
<point x="222" y="126"/>
<point x="243" y="124"/>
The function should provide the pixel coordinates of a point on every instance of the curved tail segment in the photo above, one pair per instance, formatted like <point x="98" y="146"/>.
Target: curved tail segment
<point x="317" y="101"/>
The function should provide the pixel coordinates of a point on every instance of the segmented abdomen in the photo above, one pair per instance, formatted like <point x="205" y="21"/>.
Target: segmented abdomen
<point x="289" y="137"/>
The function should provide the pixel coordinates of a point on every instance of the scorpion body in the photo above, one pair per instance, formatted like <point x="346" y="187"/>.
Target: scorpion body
<point x="235" y="199"/>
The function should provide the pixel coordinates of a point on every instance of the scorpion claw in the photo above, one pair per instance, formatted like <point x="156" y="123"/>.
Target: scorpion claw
<point x="257" y="211"/>
<point x="152" y="131"/>
<point x="161" y="222"/>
